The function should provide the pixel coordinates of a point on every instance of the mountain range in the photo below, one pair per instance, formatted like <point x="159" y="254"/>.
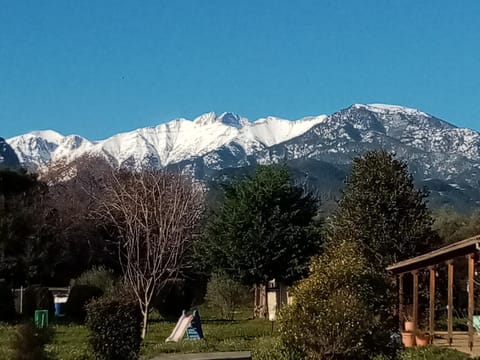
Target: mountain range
<point x="319" y="149"/>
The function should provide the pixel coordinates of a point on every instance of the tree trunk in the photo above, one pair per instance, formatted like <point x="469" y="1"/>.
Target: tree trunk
<point x="265" y="309"/>
<point x="144" y="324"/>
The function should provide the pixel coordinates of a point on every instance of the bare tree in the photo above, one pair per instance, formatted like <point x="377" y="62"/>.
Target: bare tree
<point x="74" y="187"/>
<point x="155" y="215"/>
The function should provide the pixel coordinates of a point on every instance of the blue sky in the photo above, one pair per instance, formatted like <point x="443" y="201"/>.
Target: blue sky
<point x="96" y="68"/>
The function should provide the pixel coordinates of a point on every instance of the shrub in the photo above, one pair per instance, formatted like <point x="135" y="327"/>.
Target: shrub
<point x="115" y="324"/>
<point x="79" y="296"/>
<point x="28" y="342"/>
<point x="269" y="348"/>
<point x="99" y="277"/>
<point x="226" y="294"/>
<point x="330" y="315"/>
<point x="7" y="305"/>
<point x="38" y="298"/>
<point x="175" y="297"/>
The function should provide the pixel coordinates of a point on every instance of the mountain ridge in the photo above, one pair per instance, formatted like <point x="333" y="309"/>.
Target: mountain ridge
<point x="168" y="142"/>
<point x="438" y="153"/>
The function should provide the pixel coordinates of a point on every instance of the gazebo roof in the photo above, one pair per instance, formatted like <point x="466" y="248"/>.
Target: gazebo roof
<point x="449" y="252"/>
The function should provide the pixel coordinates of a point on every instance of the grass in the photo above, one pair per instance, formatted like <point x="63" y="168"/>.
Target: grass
<point x="71" y="341"/>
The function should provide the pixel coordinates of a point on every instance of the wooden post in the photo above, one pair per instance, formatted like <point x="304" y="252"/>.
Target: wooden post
<point x="450" y="301"/>
<point x="432" y="303"/>
<point x="21" y="299"/>
<point x="471" y="299"/>
<point x="401" y="302"/>
<point x="265" y="310"/>
<point x="415" y="299"/>
<point x="256" y="300"/>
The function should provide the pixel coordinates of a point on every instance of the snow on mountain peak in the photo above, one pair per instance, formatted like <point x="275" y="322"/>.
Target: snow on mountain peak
<point x="48" y="135"/>
<point x="226" y="118"/>
<point x="232" y="119"/>
<point x="386" y="108"/>
<point x="166" y="143"/>
<point x="284" y="129"/>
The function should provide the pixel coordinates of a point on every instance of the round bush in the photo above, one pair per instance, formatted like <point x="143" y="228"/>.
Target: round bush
<point x="331" y="316"/>
<point x="80" y="295"/>
<point x="7" y="305"/>
<point x="115" y="324"/>
<point x="173" y="299"/>
<point x="99" y="277"/>
<point x="38" y="298"/>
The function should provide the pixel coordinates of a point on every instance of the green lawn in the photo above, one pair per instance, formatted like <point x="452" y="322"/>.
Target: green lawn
<point x="71" y="341"/>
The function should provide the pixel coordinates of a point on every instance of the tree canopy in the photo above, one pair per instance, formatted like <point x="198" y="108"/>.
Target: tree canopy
<point x="453" y="226"/>
<point x="383" y="211"/>
<point x="27" y="246"/>
<point x="263" y="228"/>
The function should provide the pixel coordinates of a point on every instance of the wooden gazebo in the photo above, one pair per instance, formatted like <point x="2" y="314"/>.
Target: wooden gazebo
<point x="467" y="249"/>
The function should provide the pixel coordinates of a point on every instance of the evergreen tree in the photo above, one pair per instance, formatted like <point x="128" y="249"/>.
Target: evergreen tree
<point x="383" y="211"/>
<point x="453" y="226"/>
<point x="263" y="229"/>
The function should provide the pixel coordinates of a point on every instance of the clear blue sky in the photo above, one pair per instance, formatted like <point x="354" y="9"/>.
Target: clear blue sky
<point x="98" y="67"/>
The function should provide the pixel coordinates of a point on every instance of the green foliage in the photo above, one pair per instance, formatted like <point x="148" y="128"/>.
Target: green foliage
<point x="115" y="323"/>
<point x="452" y="226"/>
<point x="432" y="353"/>
<point x="271" y="348"/>
<point x="29" y="342"/>
<point x="334" y="312"/>
<point x="263" y="229"/>
<point x="7" y="305"/>
<point x="226" y="295"/>
<point x="387" y="220"/>
<point x="38" y="298"/>
<point x="25" y="240"/>
<point x="176" y="296"/>
<point x="79" y="297"/>
<point x="98" y="277"/>
<point x="383" y="212"/>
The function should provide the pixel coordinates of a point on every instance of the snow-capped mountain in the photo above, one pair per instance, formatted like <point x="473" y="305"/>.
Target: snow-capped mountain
<point x="432" y="146"/>
<point x="8" y="158"/>
<point x="165" y="144"/>
<point x="440" y="155"/>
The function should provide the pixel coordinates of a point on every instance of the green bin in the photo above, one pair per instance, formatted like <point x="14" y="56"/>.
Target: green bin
<point x="41" y="318"/>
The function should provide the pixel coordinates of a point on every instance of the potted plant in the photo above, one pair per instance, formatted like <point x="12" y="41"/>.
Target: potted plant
<point x="408" y="323"/>
<point x="422" y="338"/>
<point x="408" y="338"/>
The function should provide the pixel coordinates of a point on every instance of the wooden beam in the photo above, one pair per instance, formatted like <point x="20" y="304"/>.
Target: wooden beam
<point x="471" y="299"/>
<point x="431" y="324"/>
<point x="450" y="302"/>
<point x="437" y="256"/>
<point x="415" y="299"/>
<point x="401" y="302"/>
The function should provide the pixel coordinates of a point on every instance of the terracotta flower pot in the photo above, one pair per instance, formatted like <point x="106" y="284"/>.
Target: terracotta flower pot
<point x="408" y="339"/>
<point x="422" y="340"/>
<point x="409" y="326"/>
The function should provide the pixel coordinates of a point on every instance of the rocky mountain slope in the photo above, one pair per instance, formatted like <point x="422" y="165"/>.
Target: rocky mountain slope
<point x="8" y="158"/>
<point x="319" y="149"/>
